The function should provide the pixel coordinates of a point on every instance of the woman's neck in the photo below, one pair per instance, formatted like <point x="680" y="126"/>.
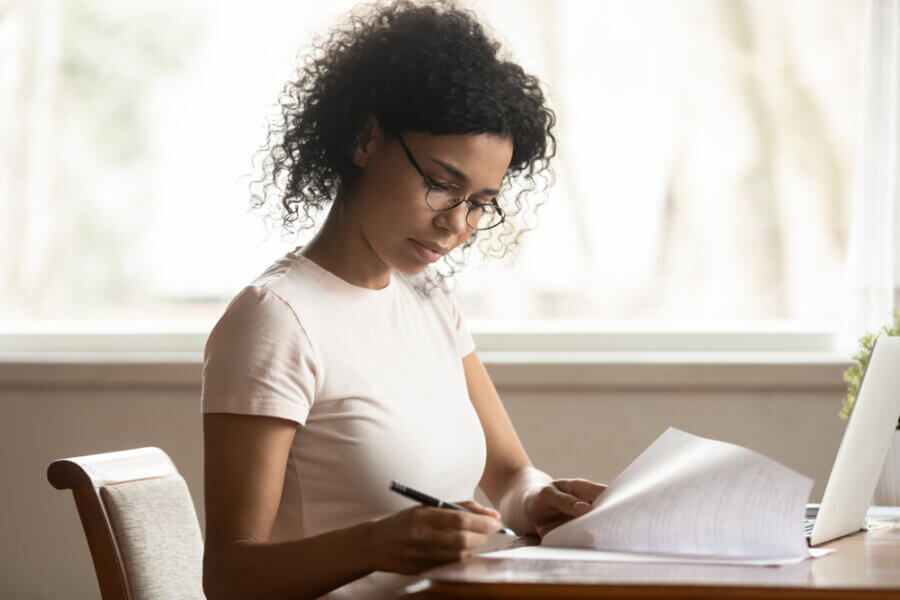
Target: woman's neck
<point x="341" y="248"/>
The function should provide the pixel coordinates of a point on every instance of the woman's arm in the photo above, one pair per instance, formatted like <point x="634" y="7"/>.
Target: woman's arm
<point x="244" y="463"/>
<point x="508" y="473"/>
<point x="529" y="499"/>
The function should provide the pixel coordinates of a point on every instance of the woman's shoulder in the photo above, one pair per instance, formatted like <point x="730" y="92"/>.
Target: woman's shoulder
<point x="259" y="319"/>
<point x="253" y="313"/>
<point x="290" y="278"/>
<point x="271" y="296"/>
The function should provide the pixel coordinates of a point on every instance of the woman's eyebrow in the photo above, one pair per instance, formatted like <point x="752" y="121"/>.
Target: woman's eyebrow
<point x="454" y="171"/>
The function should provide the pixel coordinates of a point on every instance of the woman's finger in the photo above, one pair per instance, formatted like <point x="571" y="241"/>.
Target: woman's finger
<point x="580" y="488"/>
<point x="456" y="540"/>
<point x="553" y="498"/>
<point x="439" y="556"/>
<point x="446" y="518"/>
<point x="565" y="502"/>
<point x="477" y="508"/>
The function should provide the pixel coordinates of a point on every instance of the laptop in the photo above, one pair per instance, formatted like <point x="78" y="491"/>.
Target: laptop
<point x="863" y="448"/>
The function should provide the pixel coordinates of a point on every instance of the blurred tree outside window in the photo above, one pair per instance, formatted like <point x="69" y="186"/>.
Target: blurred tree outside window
<point x="703" y="176"/>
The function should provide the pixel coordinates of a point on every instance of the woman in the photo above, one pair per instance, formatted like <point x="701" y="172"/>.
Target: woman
<point x="345" y="366"/>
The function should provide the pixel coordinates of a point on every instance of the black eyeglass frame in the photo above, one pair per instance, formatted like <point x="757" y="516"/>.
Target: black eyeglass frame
<point x="435" y="185"/>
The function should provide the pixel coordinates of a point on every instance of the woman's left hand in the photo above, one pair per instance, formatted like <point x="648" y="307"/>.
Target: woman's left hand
<point x="559" y="501"/>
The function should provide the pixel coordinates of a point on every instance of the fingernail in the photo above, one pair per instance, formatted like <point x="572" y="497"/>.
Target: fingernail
<point x="582" y="506"/>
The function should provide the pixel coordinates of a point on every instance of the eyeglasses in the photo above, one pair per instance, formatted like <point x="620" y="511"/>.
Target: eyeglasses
<point x="442" y="197"/>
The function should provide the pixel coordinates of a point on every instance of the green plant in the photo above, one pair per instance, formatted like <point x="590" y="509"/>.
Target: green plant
<point x="853" y="376"/>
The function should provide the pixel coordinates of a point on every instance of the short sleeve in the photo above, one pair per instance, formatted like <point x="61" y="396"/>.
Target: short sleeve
<point x="258" y="360"/>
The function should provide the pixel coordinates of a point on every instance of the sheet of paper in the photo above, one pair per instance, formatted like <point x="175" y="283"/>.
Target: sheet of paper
<point x="577" y="554"/>
<point x="688" y="495"/>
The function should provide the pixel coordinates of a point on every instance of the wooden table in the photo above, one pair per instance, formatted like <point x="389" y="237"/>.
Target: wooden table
<point x="866" y="565"/>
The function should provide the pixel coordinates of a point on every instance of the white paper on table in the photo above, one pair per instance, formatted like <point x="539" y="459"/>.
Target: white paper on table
<point x="688" y="495"/>
<point x="588" y="554"/>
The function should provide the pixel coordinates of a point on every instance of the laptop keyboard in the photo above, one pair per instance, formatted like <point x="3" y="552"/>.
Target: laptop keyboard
<point x="876" y="513"/>
<point x="808" y="526"/>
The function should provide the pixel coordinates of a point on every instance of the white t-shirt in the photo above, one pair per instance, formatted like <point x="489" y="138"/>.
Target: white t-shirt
<point x="374" y="379"/>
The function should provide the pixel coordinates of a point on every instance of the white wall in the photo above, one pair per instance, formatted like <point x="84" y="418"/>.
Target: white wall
<point x="583" y="426"/>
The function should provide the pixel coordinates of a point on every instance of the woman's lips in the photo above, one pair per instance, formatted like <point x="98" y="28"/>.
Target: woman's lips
<point x="427" y="254"/>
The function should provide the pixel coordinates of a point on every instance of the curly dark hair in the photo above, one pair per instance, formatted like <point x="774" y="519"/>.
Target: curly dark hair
<point x="427" y="67"/>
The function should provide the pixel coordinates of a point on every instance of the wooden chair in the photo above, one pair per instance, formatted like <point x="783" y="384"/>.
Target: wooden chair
<point x="139" y="521"/>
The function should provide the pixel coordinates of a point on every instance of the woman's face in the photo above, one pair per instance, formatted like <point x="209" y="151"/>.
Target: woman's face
<point x="395" y="221"/>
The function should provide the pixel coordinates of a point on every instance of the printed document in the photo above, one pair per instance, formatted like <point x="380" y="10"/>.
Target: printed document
<point x="689" y="499"/>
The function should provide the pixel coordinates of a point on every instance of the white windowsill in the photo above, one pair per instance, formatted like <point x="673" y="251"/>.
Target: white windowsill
<point x="526" y="356"/>
<point x="532" y="336"/>
<point x="509" y="370"/>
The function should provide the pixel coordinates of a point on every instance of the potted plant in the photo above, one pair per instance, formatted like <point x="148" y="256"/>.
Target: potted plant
<point x="887" y="492"/>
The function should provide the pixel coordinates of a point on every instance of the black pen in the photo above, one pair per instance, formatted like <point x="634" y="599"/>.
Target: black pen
<point x="432" y="501"/>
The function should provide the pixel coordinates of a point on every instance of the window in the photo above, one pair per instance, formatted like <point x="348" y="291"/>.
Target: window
<point x="703" y="175"/>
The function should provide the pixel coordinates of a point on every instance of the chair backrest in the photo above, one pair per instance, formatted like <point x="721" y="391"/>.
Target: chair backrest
<point x="139" y="521"/>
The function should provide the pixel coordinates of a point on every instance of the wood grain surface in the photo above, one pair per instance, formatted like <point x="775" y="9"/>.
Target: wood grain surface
<point x="866" y="565"/>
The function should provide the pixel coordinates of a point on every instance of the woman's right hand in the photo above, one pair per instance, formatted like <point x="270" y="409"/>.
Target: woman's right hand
<point x="421" y="537"/>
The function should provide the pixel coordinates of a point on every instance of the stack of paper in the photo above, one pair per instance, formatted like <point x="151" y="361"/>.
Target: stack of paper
<point x="689" y="499"/>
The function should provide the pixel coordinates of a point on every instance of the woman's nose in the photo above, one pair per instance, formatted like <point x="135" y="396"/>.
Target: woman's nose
<point x="454" y="219"/>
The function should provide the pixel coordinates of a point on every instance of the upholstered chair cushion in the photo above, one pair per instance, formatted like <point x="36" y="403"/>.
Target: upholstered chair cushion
<point x="158" y="535"/>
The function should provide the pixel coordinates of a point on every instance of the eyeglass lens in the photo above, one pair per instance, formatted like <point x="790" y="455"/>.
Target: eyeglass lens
<point x="478" y="217"/>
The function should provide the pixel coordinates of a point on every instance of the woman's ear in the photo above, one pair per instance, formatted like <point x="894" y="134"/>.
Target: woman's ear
<point x="366" y="140"/>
